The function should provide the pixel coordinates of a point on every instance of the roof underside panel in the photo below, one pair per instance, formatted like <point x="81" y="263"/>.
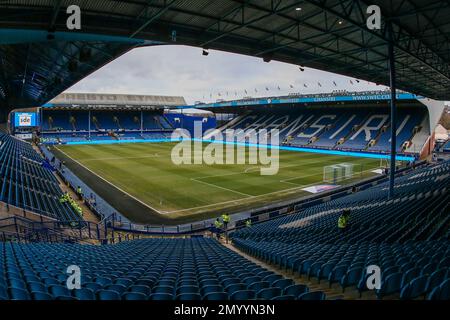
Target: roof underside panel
<point x="329" y="35"/>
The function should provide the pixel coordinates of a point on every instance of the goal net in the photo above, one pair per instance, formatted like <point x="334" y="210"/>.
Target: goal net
<point x="338" y="172"/>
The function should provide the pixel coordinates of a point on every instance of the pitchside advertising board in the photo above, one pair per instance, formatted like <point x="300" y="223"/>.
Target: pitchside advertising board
<point x="25" y="119"/>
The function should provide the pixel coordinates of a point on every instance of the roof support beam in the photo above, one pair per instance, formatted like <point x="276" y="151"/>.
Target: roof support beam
<point x="159" y="13"/>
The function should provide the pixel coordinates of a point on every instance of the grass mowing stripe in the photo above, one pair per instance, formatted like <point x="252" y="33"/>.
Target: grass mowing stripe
<point x="189" y="192"/>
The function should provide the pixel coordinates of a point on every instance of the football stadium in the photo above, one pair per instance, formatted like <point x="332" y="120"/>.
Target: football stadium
<point x="315" y="191"/>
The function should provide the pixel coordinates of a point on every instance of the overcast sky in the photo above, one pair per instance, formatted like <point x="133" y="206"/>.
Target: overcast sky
<point x="184" y="71"/>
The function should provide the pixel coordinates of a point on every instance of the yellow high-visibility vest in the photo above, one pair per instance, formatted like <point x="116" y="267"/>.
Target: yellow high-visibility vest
<point x="342" y="222"/>
<point x="226" y="218"/>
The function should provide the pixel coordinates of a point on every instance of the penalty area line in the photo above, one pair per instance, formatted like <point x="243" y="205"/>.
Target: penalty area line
<point x="110" y="183"/>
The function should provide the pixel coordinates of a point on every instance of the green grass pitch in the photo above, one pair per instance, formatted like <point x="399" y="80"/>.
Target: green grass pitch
<point x="184" y="192"/>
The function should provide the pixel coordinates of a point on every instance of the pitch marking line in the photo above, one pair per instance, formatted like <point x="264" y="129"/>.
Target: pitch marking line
<point x="251" y="197"/>
<point x="253" y="168"/>
<point x="118" y="188"/>
<point x="156" y="155"/>
<point x="195" y="179"/>
<point x="223" y="188"/>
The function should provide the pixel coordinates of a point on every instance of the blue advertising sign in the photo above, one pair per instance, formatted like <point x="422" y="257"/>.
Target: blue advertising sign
<point x="25" y="119"/>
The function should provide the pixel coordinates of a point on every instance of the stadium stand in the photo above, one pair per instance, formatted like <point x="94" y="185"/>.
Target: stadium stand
<point x="406" y="236"/>
<point x="27" y="181"/>
<point x="347" y="128"/>
<point x="60" y="126"/>
<point x="155" y="269"/>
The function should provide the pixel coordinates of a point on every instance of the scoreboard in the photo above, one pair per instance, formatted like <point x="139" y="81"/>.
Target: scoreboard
<point x="25" y="119"/>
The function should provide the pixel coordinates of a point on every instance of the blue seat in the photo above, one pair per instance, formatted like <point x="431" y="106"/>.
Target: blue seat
<point x="229" y="281"/>
<point x="325" y="270"/>
<point x="119" y="288"/>
<point x="212" y="288"/>
<point x="410" y="274"/>
<point x="108" y="295"/>
<point x="430" y="268"/>
<point x="352" y="277"/>
<point x="140" y="289"/>
<point x="295" y="290"/>
<point x="65" y="298"/>
<point x="337" y="274"/>
<point x="124" y="282"/>
<point x="166" y="282"/>
<point x="182" y="283"/>
<point x="243" y="295"/>
<point x="416" y="288"/>
<point x="361" y="286"/>
<point x="189" y="297"/>
<point x="250" y="280"/>
<point x="163" y="289"/>
<point x="103" y="281"/>
<point x="51" y="282"/>
<point x="443" y="292"/>
<point x="218" y="296"/>
<point x="209" y="282"/>
<point x="93" y="286"/>
<point x="283" y="283"/>
<point x="146" y="282"/>
<point x="57" y="290"/>
<point x="19" y="294"/>
<point x="283" y="298"/>
<point x="235" y="287"/>
<point x="36" y="287"/>
<point x="83" y="294"/>
<point x="434" y="294"/>
<point x="257" y="286"/>
<point x="390" y="285"/>
<point x="17" y="283"/>
<point x="436" y="278"/>
<point x="312" y="295"/>
<point x="187" y="289"/>
<point x="444" y="263"/>
<point x="134" y="296"/>
<point x="41" y="296"/>
<point x="268" y="293"/>
<point x="272" y="278"/>
<point x="161" y="296"/>
<point x="3" y="293"/>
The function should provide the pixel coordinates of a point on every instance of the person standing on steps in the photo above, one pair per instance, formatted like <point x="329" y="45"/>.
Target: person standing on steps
<point x="343" y="220"/>
<point x="218" y="225"/>
<point x="226" y="220"/>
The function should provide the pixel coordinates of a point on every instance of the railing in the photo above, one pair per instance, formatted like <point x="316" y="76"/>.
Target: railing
<point x="24" y="230"/>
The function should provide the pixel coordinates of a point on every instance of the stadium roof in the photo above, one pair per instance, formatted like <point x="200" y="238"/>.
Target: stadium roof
<point x="115" y="99"/>
<point x="329" y="35"/>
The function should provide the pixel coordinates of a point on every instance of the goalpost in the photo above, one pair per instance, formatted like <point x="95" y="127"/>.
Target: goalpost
<point x="339" y="172"/>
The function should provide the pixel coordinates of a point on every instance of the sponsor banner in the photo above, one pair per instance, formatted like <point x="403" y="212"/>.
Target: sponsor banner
<point x="375" y="97"/>
<point x="116" y="99"/>
<point x="320" y="188"/>
<point x="25" y="119"/>
<point x="24" y="136"/>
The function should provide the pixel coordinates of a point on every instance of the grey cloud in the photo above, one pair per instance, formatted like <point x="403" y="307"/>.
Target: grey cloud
<point x="181" y="70"/>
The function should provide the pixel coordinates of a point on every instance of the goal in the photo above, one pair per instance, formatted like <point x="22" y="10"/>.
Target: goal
<point x="338" y="172"/>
